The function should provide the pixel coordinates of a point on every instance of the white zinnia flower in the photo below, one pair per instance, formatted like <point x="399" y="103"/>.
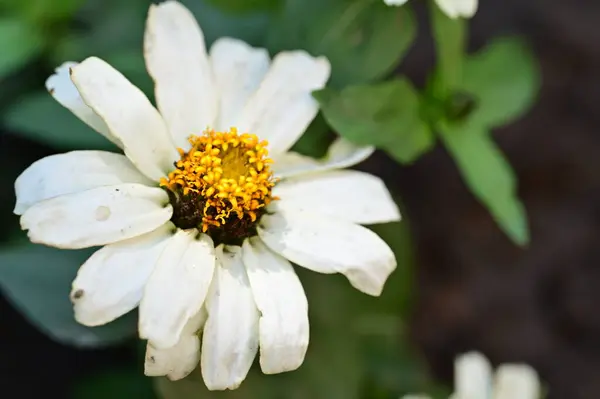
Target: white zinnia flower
<point x="473" y="380"/>
<point x="202" y="238"/>
<point x="452" y="8"/>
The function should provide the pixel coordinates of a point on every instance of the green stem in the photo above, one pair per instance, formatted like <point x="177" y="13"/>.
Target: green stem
<point x="450" y="41"/>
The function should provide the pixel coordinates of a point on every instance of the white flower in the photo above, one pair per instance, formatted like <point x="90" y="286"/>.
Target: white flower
<point x="201" y="238"/>
<point x="473" y="380"/>
<point x="452" y="8"/>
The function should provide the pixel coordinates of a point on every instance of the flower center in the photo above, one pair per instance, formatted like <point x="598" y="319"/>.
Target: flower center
<point x="221" y="185"/>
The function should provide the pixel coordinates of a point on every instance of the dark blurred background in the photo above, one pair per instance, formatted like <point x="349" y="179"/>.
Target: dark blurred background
<point x="475" y="289"/>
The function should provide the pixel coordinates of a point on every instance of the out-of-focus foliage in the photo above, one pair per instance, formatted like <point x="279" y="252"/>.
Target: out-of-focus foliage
<point x="37" y="280"/>
<point x="465" y="98"/>
<point x="386" y="115"/>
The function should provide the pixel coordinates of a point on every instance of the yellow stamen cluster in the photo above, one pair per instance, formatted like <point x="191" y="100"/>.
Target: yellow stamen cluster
<point x="230" y="173"/>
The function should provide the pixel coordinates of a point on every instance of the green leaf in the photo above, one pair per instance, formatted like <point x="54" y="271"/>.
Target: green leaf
<point x="37" y="280"/>
<point x="242" y="6"/>
<point x="122" y="383"/>
<point x="504" y="79"/>
<point x="41" y="118"/>
<point x="249" y="27"/>
<point x="364" y="40"/>
<point x="43" y="11"/>
<point x="385" y="115"/>
<point x="316" y="139"/>
<point x="19" y="43"/>
<point x="112" y="26"/>
<point x="450" y="40"/>
<point x="489" y="176"/>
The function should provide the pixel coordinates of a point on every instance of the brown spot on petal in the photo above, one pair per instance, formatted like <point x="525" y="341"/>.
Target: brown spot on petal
<point x="77" y="294"/>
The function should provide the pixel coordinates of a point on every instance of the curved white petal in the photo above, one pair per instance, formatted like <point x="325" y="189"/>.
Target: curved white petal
<point x="129" y="115"/>
<point x="180" y="360"/>
<point x="98" y="216"/>
<point x="177" y="287"/>
<point x="458" y="8"/>
<point x="343" y="194"/>
<point x="175" y="362"/>
<point x="330" y="246"/>
<point x="230" y="339"/>
<point x="516" y="381"/>
<point x="177" y="61"/>
<point x="238" y="69"/>
<point x="283" y="107"/>
<point x="111" y="282"/>
<point x="64" y="91"/>
<point x="394" y="2"/>
<point x="341" y="154"/>
<point x="283" y="307"/>
<point x="73" y="172"/>
<point x="472" y="376"/>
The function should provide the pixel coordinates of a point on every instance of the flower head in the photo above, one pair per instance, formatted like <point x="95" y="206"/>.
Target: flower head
<point x="201" y="217"/>
<point x="473" y="379"/>
<point x="452" y="8"/>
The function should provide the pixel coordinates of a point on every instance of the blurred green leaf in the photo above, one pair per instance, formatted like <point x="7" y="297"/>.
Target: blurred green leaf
<point x="111" y="27"/>
<point x="42" y="11"/>
<point x="505" y="80"/>
<point x="126" y="383"/>
<point x="364" y="40"/>
<point x="19" y="43"/>
<point x="316" y="139"/>
<point x="385" y="115"/>
<point x="37" y="280"/>
<point x="489" y="176"/>
<point x="251" y="27"/>
<point x="41" y="118"/>
<point x="241" y="6"/>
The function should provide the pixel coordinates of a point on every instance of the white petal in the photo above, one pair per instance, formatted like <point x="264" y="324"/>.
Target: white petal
<point x="344" y="194"/>
<point x="111" y="282"/>
<point x="98" y="216"/>
<point x="341" y="154"/>
<point x="283" y="107"/>
<point x="458" y="8"/>
<point x="175" y="362"/>
<point x="73" y="172"/>
<point x="230" y="339"/>
<point x="180" y="360"/>
<point x="64" y="91"/>
<point x="283" y="307"/>
<point x="177" y="287"/>
<point x="516" y="381"/>
<point x="394" y="2"/>
<point x="177" y="61"/>
<point x="129" y="115"/>
<point x="472" y="376"/>
<point x="330" y="246"/>
<point x="238" y="70"/>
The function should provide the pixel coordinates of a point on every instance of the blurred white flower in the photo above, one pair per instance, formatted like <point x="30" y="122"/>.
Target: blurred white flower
<point x="473" y="379"/>
<point x="198" y="224"/>
<point x="452" y="8"/>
